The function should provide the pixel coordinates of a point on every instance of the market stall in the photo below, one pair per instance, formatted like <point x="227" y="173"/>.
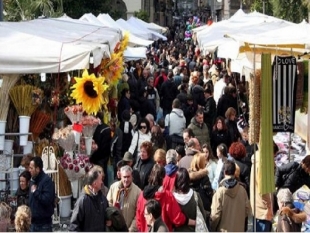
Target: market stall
<point x="56" y="74"/>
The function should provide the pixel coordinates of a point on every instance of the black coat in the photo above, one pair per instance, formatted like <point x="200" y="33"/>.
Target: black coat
<point x="127" y="136"/>
<point x="233" y="131"/>
<point x="144" y="167"/>
<point x="218" y="137"/>
<point x="102" y="137"/>
<point x="89" y="213"/>
<point x="168" y="93"/>
<point x="209" y="112"/>
<point x="22" y="197"/>
<point x="42" y="200"/>
<point x="291" y="176"/>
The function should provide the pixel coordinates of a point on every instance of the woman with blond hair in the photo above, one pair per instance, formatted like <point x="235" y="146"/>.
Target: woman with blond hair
<point x="22" y="219"/>
<point x="160" y="157"/>
<point x="200" y="182"/>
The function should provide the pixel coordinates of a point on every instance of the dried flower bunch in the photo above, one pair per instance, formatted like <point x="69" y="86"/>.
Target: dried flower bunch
<point x="89" y="125"/>
<point x="65" y="138"/>
<point x="74" y="113"/>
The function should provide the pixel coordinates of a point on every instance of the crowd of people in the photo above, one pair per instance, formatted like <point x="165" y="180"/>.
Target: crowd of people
<point x="178" y="145"/>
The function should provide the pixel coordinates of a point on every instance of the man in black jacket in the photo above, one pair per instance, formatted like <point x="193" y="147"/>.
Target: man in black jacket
<point x="89" y="213"/>
<point x="41" y="197"/>
<point x="102" y="137"/>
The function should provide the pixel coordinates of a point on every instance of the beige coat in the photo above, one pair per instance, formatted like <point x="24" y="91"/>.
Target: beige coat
<point x="262" y="203"/>
<point x="230" y="207"/>
<point x="130" y="203"/>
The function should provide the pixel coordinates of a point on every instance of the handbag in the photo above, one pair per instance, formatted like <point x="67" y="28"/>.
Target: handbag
<point x="134" y="155"/>
<point x="201" y="225"/>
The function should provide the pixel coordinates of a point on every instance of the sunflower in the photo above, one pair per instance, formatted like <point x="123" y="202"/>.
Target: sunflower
<point x="88" y="90"/>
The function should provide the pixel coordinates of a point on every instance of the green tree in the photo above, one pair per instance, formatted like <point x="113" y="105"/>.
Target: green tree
<point x="291" y="10"/>
<point x="259" y="5"/>
<point x="18" y="10"/>
<point x="143" y="15"/>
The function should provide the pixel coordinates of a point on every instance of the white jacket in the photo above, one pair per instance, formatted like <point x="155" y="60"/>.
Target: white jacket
<point x="142" y="138"/>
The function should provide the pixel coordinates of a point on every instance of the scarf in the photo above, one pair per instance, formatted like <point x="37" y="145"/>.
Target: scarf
<point x="122" y="193"/>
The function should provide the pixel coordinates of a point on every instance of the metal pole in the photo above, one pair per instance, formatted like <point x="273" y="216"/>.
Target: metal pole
<point x="1" y="10"/>
<point x="264" y="7"/>
<point x="254" y="146"/>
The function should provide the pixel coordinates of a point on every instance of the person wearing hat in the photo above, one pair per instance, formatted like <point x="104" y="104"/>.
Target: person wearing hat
<point x="171" y="169"/>
<point x="128" y="160"/>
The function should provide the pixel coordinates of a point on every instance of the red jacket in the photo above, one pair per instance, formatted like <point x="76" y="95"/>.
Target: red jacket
<point x="168" y="183"/>
<point x="170" y="211"/>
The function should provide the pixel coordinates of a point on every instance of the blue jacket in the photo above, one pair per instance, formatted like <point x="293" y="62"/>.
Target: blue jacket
<point x="42" y="200"/>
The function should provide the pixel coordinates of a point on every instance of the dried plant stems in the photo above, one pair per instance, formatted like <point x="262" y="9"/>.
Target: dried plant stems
<point x="254" y="106"/>
<point x="21" y="97"/>
<point x="8" y="82"/>
<point x="64" y="183"/>
<point x="38" y="122"/>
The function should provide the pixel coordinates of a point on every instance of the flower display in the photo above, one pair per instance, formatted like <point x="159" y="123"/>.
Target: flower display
<point x="88" y="91"/>
<point x="65" y="138"/>
<point x="89" y="125"/>
<point x="74" y="113"/>
<point x="112" y="68"/>
<point x="77" y="167"/>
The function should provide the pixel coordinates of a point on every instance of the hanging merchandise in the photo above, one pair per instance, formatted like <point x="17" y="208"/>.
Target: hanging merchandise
<point x="284" y="85"/>
<point x="26" y="99"/>
<point x="112" y="68"/>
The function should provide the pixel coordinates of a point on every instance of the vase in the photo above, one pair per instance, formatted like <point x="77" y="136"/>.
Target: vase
<point x="88" y="144"/>
<point x="24" y="122"/>
<point x="2" y="131"/>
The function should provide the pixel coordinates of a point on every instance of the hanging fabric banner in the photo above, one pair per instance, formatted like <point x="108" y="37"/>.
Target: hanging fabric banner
<point x="284" y="70"/>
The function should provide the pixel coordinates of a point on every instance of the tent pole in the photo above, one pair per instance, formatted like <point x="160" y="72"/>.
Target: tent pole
<point x="308" y="115"/>
<point x="254" y="147"/>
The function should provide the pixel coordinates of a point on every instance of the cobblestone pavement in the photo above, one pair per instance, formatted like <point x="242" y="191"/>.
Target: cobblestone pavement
<point x="62" y="226"/>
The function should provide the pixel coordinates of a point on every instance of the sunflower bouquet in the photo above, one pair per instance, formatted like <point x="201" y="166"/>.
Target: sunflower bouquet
<point x="88" y="91"/>
<point x="65" y="138"/>
<point x="74" y="113"/>
<point x="89" y="125"/>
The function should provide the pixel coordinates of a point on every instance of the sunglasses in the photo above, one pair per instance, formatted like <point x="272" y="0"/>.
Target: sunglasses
<point x="142" y="127"/>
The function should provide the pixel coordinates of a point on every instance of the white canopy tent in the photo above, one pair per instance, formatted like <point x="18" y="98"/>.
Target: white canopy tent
<point x="133" y="54"/>
<point x="106" y="20"/>
<point x="137" y="32"/>
<point x="130" y="53"/>
<point x="151" y="26"/>
<point x="161" y="29"/>
<point x="143" y="26"/>
<point x="53" y="45"/>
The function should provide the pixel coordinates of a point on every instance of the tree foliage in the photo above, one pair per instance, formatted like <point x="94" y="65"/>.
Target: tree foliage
<point x="291" y="10"/>
<point x="17" y="10"/>
<point x="143" y="15"/>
